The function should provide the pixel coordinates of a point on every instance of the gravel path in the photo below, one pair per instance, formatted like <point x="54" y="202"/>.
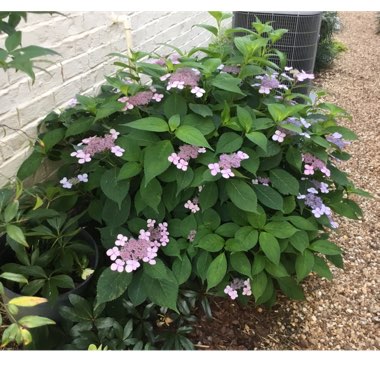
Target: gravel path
<point x="345" y="313"/>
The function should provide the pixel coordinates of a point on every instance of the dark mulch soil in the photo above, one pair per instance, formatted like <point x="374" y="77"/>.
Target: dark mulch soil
<point x="239" y="327"/>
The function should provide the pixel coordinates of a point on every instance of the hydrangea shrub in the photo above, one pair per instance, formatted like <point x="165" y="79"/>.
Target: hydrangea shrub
<point x="205" y="170"/>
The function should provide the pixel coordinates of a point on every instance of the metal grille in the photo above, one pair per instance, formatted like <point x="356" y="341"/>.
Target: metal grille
<point x="299" y="44"/>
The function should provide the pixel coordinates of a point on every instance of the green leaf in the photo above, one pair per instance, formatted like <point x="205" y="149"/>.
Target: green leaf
<point x="248" y="237"/>
<point x="326" y="247"/>
<point x="152" y="194"/>
<point x="136" y="290"/>
<point x="259" y="284"/>
<point x="108" y="108"/>
<point x="211" y="243"/>
<point x="293" y="156"/>
<point x="276" y="270"/>
<point x="53" y="137"/>
<point x="172" y="248"/>
<point x="241" y="195"/>
<point x="30" y="165"/>
<point x="184" y="179"/>
<point x="16" y="234"/>
<point x="192" y="136"/>
<point x="259" y="139"/>
<point x="229" y="142"/>
<point x="245" y="118"/>
<point x="151" y="124"/>
<point x="156" y="159"/>
<point x="131" y="146"/>
<point x="27" y="301"/>
<point x="201" y="109"/>
<point x="208" y="196"/>
<point x="11" y="211"/>
<point x="129" y="170"/>
<point x="12" y="41"/>
<point x="111" y="212"/>
<point x="240" y="263"/>
<point x="175" y="104"/>
<point x="228" y="83"/>
<point x="280" y="230"/>
<point x="33" y="321"/>
<point x="304" y="264"/>
<point x="321" y="268"/>
<point x="227" y="229"/>
<point x="182" y="269"/>
<point x="302" y="223"/>
<point x="63" y="281"/>
<point x="14" y="277"/>
<point x="111" y="285"/>
<point x="270" y="247"/>
<point x="284" y="182"/>
<point x="162" y="292"/>
<point x="258" y="264"/>
<point x="216" y="271"/>
<point x="157" y="271"/>
<point x="300" y="241"/>
<point x="278" y="112"/>
<point x="80" y="126"/>
<point x="113" y="188"/>
<point x="291" y="288"/>
<point x="269" y="197"/>
<point x="210" y="28"/>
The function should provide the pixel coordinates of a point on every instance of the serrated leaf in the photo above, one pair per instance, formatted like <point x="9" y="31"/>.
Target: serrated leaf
<point x="284" y="182"/>
<point x="156" y="159"/>
<point x="208" y="196"/>
<point x="259" y="284"/>
<point x="280" y="230"/>
<point x="304" y="264"/>
<point x="216" y="271"/>
<point x="241" y="195"/>
<point x="182" y="269"/>
<point x="201" y="109"/>
<point x="240" y="263"/>
<point x="192" y="136"/>
<point x="326" y="247"/>
<point x="211" y="243"/>
<point x="228" y="83"/>
<point x="113" y="188"/>
<point x="259" y="139"/>
<point x="79" y="126"/>
<point x="291" y="288"/>
<point x="269" y="197"/>
<point x="270" y="247"/>
<point x="151" y="124"/>
<point x="229" y="142"/>
<point x="111" y="285"/>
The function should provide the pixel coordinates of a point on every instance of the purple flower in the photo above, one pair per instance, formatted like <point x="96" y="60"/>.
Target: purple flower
<point x="279" y="136"/>
<point x="226" y="163"/>
<point x="236" y="285"/>
<point x="118" y="265"/>
<point x="302" y="75"/>
<point x="66" y="184"/>
<point x="336" y="138"/>
<point x="186" y="152"/>
<point x="191" y="235"/>
<point x="83" y="177"/>
<point x="192" y="205"/>
<point x="268" y="83"/>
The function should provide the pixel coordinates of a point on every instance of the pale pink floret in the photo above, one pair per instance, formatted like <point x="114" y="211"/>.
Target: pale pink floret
<point x="157" y="97"/>
<point x="279" y="136"/>
<point x="66" y="184"/>
<point x="308" y="170"/>
<point x="198" y="91"/>
<point x="118" y="265"/>
<point x="215" y="169"/>
<point x="113" y="253"/>
<point x="117" y="150"/>
<point x="227" y="173"/>
<point x="121" y="240"/>
<point x="131" y="265"/>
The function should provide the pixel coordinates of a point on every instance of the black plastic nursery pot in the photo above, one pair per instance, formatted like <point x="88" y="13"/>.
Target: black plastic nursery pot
<point x="51" y="310"/>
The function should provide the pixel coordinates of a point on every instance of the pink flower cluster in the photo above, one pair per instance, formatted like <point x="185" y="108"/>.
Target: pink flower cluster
<point x="192" y="205"/>
<point x="265" y="181"/>
<point x="128" y="252"/>
<point x="300" y="76"/>
<point x="236" y="285"/>
<point x="226" y="163"/>
<point x="312" y="163"/>
<point x="68" y="183"/>
<point x="184" y="77"/>
<point x="182" y="158"/>
<point x="229" y="69"/>
<point x="97" y="144"/>
<point x="268" y="83"/>
<point x="142" y="98"/>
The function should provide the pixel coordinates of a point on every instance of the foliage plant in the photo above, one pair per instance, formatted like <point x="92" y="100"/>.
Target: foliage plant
<point x="41" y="241"/>
<point x="17" y="331"/>
<point x="207" y="173"/>
<point x="328" y="47"/>
<point x="14" y="55"/>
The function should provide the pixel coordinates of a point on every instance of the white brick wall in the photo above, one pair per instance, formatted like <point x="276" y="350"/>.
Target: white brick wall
<point x="83" y="39"/>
